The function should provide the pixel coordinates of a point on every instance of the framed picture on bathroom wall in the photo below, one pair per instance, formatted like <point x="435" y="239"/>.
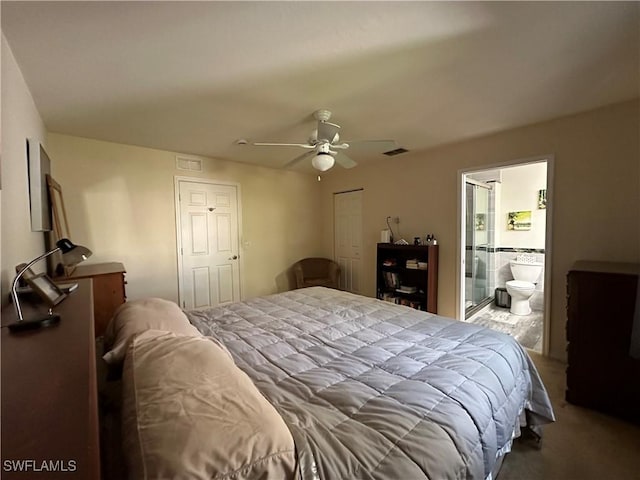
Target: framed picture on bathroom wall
<point x="519" y="220"/>
<point x="542" y="199"/>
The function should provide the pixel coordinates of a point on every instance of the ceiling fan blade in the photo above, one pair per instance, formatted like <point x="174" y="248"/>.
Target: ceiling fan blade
<point x="299" y="158"/>
<point x="327" y="131"/>
<point x="303" y="145"/>
<point x="344" y="161"/>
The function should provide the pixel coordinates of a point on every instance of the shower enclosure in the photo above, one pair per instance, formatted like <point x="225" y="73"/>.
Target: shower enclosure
<point x="478" y="243"/>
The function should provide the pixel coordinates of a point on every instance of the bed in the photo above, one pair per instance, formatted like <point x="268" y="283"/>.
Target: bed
<point x="367" y="389"/>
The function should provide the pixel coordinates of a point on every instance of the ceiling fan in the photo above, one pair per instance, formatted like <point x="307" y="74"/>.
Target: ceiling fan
<point x="325" y="149"/>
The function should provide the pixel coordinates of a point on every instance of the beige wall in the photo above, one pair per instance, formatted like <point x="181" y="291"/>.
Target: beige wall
<point x="120" y="203"/>
<point x="596" y="196"/>
<point x="20" y="120"/>
<point x="120" y="200"/>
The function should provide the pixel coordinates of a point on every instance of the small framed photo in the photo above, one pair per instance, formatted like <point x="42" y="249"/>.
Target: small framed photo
<point x="542" y="198"/>
<point x="44" y="286"/>
<point x="28" y="273"/>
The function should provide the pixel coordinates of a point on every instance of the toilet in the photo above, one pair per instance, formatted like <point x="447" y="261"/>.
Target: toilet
<point x="525" y="275"/>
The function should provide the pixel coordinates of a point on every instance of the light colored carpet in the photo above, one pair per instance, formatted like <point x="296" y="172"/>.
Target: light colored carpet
<point x="582" y="444"/>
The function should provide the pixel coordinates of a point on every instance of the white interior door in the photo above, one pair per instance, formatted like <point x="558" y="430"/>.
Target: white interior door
<point x="348" y="239"/>
<point x="209" y="272"/>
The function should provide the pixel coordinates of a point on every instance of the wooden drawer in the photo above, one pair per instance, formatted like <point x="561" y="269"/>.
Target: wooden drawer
<point x="108" y="290"/>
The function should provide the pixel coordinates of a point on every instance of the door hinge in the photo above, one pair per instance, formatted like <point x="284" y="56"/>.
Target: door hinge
<point x="181" y="251"/>
<point x="184" y="304"/>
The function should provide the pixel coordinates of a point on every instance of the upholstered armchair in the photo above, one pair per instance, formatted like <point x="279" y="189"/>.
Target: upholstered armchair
<point x="315" y="271"/>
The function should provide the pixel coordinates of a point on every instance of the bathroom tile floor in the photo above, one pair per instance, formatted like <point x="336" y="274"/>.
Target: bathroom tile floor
<point x="526" y="329"/>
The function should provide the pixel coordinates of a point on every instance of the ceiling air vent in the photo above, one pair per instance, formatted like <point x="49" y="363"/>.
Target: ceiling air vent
<point x="192" y="164"/>
<point x="397" y="151"/>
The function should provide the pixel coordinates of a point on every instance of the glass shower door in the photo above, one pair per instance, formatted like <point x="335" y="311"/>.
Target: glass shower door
<point x="477" y="249"/>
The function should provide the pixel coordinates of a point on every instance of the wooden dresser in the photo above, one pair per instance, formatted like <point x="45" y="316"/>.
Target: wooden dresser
<point x="601" y="303"/>
<point x="49" y="394"/>
<point x="108" y="289"/>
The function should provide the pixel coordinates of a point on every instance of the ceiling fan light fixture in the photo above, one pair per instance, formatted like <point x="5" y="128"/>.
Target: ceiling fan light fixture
<point x="323" y="145"/>
<point x="323" y="161"/>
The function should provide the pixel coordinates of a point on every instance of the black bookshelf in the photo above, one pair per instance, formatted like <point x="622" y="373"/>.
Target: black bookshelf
<point x="408" y="275"/>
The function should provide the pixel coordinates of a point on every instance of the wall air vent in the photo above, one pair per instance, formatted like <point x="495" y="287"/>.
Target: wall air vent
<point x="192" y="164"/>
<point x="397" y="151"/>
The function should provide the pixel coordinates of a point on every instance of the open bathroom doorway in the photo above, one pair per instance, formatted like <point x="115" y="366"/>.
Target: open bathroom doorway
<point x="504" y="238"/>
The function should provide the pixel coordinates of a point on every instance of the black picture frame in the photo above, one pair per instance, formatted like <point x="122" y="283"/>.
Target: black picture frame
<point x="46" y="288"/>
<point x="39" y="166"/>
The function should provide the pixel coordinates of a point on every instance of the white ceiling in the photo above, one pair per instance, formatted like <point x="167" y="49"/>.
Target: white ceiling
<point x="194" y="77"/>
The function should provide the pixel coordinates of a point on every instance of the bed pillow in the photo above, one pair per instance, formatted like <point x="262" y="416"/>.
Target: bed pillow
<point x="135" y="317"/>
<point x="189" y="412"/>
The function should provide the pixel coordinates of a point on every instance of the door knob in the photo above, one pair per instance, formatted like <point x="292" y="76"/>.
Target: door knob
<point x="235" y="257"/>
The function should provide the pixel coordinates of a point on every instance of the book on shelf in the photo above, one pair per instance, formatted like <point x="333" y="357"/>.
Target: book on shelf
<point x="389" y="297"/>
<point x="391" y="280"/>
<point x="412" y="263"/>
<point x="410" y="303"/>
<point x="406" y="289"/>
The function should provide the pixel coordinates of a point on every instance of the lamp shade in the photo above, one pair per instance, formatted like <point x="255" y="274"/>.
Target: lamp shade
<point x="323" y="161"/>
<point x="72" y="254"/>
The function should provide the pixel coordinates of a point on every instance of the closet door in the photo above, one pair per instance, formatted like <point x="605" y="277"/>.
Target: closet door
<point x="348" y="239"/>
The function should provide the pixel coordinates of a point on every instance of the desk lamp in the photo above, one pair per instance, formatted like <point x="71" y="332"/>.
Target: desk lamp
<point x="71" y="255"/>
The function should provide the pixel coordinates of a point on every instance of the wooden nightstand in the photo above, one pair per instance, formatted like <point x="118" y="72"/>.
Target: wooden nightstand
<point x="108" y="289"/>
